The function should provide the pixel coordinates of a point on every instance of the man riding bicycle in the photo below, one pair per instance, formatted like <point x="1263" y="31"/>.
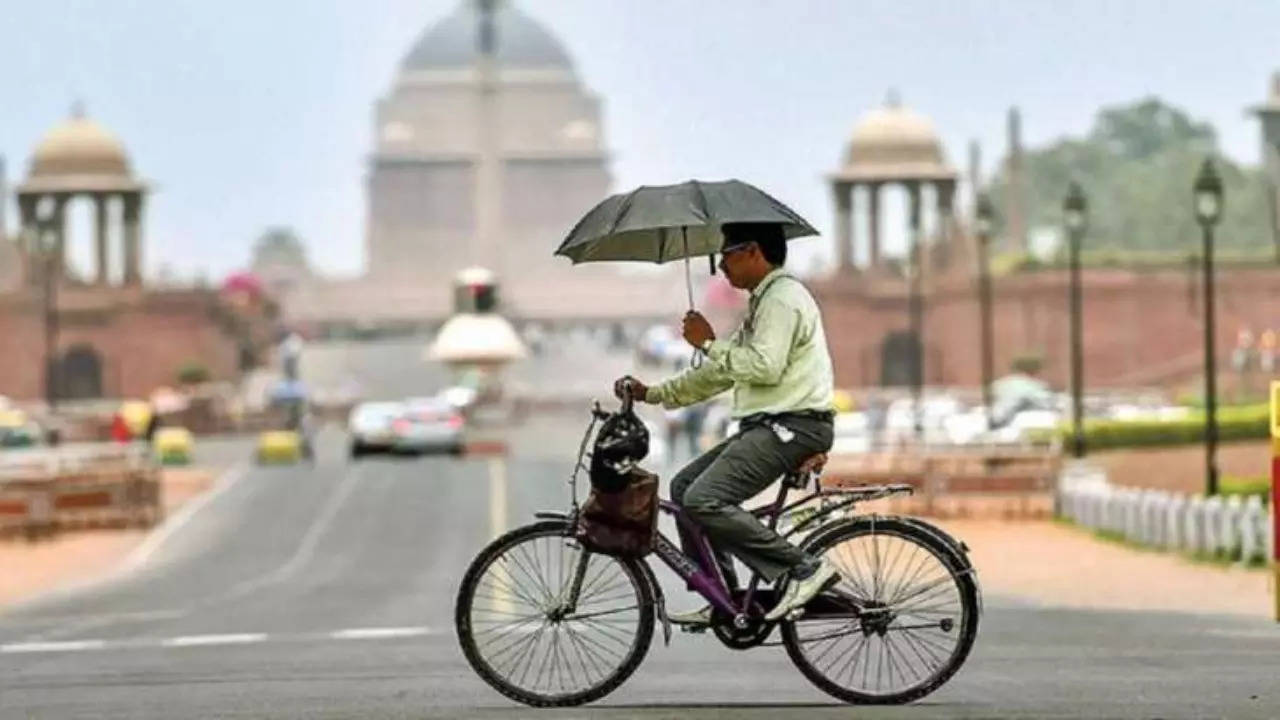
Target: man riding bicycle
<point x="779" y="369"/>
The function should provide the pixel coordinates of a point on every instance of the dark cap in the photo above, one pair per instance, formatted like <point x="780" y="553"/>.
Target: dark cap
<point x="741" y="233"/>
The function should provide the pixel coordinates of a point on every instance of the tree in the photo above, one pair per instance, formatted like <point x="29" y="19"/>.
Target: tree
<point x="1136" y="165"/>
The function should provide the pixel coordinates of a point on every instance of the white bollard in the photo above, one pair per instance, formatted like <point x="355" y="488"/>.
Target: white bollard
<point x="1132" y="516"/>
<point x="1229" y="530"/>
<point x="1252" y="519"/>
<point x="1193" y="524"/>
<point x="1212" y="523"/>
<point x="1173" y="522"/>
<point x="1158" y="509"/>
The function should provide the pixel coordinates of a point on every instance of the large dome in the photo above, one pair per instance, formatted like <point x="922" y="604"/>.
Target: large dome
<point x="451" y="43"/>
<point x="79" y="147"/>
<point x="895" y="142"/>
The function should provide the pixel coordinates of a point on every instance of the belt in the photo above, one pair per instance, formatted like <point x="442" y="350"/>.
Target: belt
<point x="765" y="418"/>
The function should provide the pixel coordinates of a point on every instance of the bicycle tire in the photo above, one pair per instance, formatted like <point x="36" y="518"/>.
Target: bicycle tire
<point x="961" y="574"/>
<point x="631" y="568"/>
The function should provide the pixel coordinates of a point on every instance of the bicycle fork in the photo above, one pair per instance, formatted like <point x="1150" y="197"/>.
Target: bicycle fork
<point x="568" y="603"/>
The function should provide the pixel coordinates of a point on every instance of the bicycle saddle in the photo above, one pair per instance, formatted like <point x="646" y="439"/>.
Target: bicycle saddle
<point x="808" y="468"/>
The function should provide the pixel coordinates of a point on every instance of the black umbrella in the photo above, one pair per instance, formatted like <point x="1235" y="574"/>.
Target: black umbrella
<point x="660" y="223"/>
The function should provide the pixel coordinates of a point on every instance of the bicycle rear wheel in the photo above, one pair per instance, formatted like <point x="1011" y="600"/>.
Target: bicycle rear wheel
<point x="514" y="633"/>
<point x="901" y="621"/>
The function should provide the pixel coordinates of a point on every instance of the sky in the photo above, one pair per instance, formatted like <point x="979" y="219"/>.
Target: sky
<point x="246" y="114"/>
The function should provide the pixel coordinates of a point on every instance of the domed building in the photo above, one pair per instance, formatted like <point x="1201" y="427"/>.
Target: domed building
<point x="488" y="149"/>
<point x="103" y="333"/>
<point x="896" y="325"/>
<point x="890" y="145"/>
<point x="80" y="158"/>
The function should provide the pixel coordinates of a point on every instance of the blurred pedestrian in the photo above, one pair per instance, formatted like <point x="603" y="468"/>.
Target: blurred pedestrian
<point x="120" y="429"/>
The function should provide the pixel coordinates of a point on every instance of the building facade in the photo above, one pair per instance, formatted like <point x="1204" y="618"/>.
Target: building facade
<point x="84" y="333"/>
<point x="488" y="148"/>
<point x="1142" y="328"/>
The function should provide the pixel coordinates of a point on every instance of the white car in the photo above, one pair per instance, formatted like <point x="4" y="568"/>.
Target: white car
<point x="428" y="425"/>
<point x="370" y="427"/>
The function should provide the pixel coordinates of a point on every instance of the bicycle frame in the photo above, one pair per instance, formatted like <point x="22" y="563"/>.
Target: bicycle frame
<point x="702" y="572"/>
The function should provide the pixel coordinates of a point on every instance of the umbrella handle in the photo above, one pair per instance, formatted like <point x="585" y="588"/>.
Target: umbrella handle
<point x="695" y="360"/>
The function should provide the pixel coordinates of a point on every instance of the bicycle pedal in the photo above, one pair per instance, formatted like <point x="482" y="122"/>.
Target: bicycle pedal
<point x="693" y="629"/>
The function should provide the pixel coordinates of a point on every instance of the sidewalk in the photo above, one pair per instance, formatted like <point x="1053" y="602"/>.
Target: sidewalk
<point x="34" y="567"/>
<point x="1055" y="564"/>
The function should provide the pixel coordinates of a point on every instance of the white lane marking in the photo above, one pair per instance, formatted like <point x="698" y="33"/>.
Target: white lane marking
<point x="141" y="553"/>
<point x="497" y="526"/>
<point x="378" y="633"/>
<point x="307" y="547"/>
<point x="1260" y="634"/>
<point x="61" y="646"/>
<point x="202" y="640"/>
<point x="370" y="633"/>
<point x="497" y="496"/>
<point x="175" y="522"/>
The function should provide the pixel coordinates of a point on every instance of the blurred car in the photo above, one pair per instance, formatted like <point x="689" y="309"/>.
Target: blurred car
<point x="427" y="425"/>
<point x="15" y="429"/>
<point x="173" y="445"/>
<point x="370" y="426"/>
<point x="136" y="415"/>
<point x="279" y="446"/>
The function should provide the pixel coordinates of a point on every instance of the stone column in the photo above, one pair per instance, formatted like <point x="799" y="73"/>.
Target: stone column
<point x="60" y="236"/>
<point x="100" y="237"/>
<point x="132" y="230"/>
<point x="945" y="191"/>
<point x="844" y="224"/>
<point x="873" y="219"/>
<point x="28" y="240"/>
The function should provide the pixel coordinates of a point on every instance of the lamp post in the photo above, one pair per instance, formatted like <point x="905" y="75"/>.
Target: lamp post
<point x="1208" y="198"/>
<point x="51" y="270"/>
<point x="983" y="221"/>
<point x="1075" y="217"/>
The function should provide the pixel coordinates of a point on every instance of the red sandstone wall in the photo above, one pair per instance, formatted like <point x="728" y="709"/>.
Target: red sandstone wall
<point x="1139" y="328"/>
<point x="142" y="342"/>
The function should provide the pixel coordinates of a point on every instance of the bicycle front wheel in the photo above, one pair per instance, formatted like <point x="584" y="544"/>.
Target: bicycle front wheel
<point x="898" y="625"/>
<point x="519" y="634"/>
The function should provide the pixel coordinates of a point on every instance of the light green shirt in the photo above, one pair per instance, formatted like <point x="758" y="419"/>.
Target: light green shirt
<point x="776" y="361"/>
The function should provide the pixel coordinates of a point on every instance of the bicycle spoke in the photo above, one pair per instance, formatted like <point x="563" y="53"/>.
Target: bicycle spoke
<point x="517" y="636"/>
<point x="583" y="616"/>
<point x="906" y="591"/>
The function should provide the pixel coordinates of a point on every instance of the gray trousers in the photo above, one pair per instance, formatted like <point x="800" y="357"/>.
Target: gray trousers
<point x="713" y="486"/>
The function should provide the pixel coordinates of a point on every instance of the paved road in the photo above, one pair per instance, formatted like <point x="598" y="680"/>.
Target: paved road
<point x="328" y="592"/>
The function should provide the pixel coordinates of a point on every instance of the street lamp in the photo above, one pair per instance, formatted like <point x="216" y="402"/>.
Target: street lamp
<point x="1075" y="217"/>
<point x="1208" y="200"/>
<point x="983" y="221"/>
<point x="46" y="245"/>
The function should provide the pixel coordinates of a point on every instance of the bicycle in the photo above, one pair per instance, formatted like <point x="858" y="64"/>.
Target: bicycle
<point x="537" y="597"/>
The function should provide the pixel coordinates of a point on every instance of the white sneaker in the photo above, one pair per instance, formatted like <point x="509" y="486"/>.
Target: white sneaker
<point x="701" y="616"/>
<point x="800" y="592"/>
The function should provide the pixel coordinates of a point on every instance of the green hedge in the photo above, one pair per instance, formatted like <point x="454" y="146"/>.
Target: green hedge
<point x="1246" y="486"/>
<point x="1238" y="422"/>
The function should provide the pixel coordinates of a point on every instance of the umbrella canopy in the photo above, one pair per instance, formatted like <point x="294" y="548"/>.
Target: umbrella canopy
<point x="660" y="223"/>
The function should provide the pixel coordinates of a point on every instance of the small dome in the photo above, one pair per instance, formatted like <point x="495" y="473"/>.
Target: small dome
<point x="895" y="142"/>
<point x="79" y="146"/>
<point x="451" y="43"/>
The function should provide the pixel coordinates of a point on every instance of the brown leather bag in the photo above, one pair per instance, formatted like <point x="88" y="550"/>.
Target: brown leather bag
<point x="622" y="523"/>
